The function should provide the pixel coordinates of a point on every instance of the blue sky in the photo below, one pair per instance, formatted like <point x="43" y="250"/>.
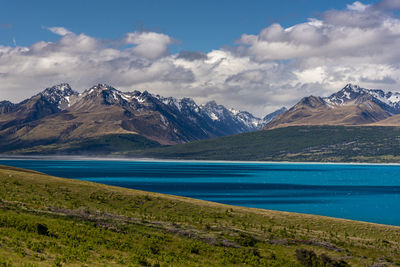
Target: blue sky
<point x="251" y="55"/>
<point x="198" y="25"/>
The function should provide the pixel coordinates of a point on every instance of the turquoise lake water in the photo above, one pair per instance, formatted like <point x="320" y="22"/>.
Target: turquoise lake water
<point x="359" y="192"/>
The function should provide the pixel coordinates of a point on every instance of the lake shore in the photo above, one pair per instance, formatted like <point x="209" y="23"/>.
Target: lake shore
<point x="121" y="226"/>
<point x="350" y="191"/>
<point x="122" y="158"/>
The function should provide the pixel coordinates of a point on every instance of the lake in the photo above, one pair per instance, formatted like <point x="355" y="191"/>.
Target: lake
<point x="358" y="192"/>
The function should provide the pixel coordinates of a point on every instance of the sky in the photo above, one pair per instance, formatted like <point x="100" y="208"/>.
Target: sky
<point x="251" y="55"/>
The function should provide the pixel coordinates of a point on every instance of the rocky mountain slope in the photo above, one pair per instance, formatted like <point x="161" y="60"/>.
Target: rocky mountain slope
<point x="59" y="115"/>
<point x="352" y="105"/>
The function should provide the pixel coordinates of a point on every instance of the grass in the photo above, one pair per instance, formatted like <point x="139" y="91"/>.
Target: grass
<point x="49" y="221"/>
<point x="296" y="143"/>
<point x="106" y="144"/>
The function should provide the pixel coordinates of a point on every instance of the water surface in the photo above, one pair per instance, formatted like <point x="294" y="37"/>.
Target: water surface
<point x="359" y="192"/>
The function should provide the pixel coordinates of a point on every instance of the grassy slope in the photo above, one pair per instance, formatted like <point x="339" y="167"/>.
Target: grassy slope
<point x="54" y="221"/>
<point x="297" y="143"/>
<point x="106" y="144"/>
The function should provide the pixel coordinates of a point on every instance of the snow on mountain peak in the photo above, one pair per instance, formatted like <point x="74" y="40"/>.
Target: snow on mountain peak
<point x="59" y="95"/>
<point x="99" y="88"/>
<point x="352" y="87"/>
<point x="234" y="111"/>
<point x="170" y="101"/>
<point x="110" y="93"/>
<point x="351" y="94"/>
<point x="243" y="121"/>
<point x="63" y="89"/>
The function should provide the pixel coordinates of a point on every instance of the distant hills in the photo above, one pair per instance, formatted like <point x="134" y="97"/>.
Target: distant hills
<point x="316" y="143"/>
<point x="350" y="106"/>
<point x="60" y="119"/>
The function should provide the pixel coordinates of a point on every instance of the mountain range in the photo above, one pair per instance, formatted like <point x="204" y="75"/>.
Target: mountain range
<point x="60" y="115"/>
<point x="352" y="125"/>
<point x="105" y="120"/>
<point x="350" y="106"/>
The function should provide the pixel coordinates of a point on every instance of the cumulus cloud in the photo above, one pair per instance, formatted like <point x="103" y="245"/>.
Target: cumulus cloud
<point x="388" y="4"/>
<point x="354" y="32"/>
<point x="192" y="55"/>
<point x="357" y="6"/>
<point x="383" y="80"/>
<point x="59" y="30"/>
<point x="150" y="45"/>
<point x="261" y="73"/>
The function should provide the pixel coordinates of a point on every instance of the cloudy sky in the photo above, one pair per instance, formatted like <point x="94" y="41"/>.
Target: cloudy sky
<point x="257" y="56"/>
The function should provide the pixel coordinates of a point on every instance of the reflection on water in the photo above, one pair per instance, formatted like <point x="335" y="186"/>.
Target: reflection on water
<point x="359" y="192"/>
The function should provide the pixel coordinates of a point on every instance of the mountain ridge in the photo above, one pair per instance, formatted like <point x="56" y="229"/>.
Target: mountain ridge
<point x="350" y="106"/>
<point x="59" y="114"/>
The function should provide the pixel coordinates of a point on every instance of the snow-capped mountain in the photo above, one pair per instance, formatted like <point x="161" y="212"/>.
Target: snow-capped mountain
<point x="50" y="101"/>
<point x="6" y="107"/>
<point x="354" y="94"/>
<point x="223" y="117"/>
<point x="352" y="105"/>
<point x="60" y="95"/>
<point x="219" y="114"/>
<point x="272" y="115"/>
<point x="60" y="114"/>
<point x="247" y="119"/>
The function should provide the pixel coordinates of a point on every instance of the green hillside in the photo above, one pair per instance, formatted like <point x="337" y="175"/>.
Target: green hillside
<point x="48" y="221"/>
<point x="101" y="145"/>
<point x="296" y="143"/>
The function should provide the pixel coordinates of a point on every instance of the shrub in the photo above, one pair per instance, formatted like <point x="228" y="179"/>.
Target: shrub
<point x="310" y="259"/>
<point x="246" y="240"/>
<point x="307" y="257"/>
<point x="42" y="229"/>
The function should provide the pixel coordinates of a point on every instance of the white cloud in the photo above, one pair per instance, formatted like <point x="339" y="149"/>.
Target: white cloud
<point x="357" y="6"/>
<point x="263" y="72"/>
<point x="388" y="4"/>
<point x="59" y="30"/>
<point x="150" y="45"/>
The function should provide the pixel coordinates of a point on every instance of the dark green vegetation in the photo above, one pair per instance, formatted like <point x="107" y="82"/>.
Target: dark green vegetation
<point x="53" y="221"/>
<point x="296" y="143"/>
<point x="101" y="145"/>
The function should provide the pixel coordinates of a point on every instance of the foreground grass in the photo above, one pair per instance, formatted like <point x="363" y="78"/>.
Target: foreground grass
<point x="54" y="221"/>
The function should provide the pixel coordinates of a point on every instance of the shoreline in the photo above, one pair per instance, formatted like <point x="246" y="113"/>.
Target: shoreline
<point x="208" y="200"/>
<point x="113" y="158"/>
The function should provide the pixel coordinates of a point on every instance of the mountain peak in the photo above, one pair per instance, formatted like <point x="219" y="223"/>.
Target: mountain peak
<point x="312" y="101"/>
<point x="62" y="89"/>
<point x="269" y="117"/>
<point x="59" y="95"/>
<point x="352" y="105"/>
<point x="100" y="87"/>
<point x="351" y="87"/>
<point x="6" y="106"/>
<point x="354" y="94"/>
<point x="211" y="103"/>
<point x="347" y="94"/>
